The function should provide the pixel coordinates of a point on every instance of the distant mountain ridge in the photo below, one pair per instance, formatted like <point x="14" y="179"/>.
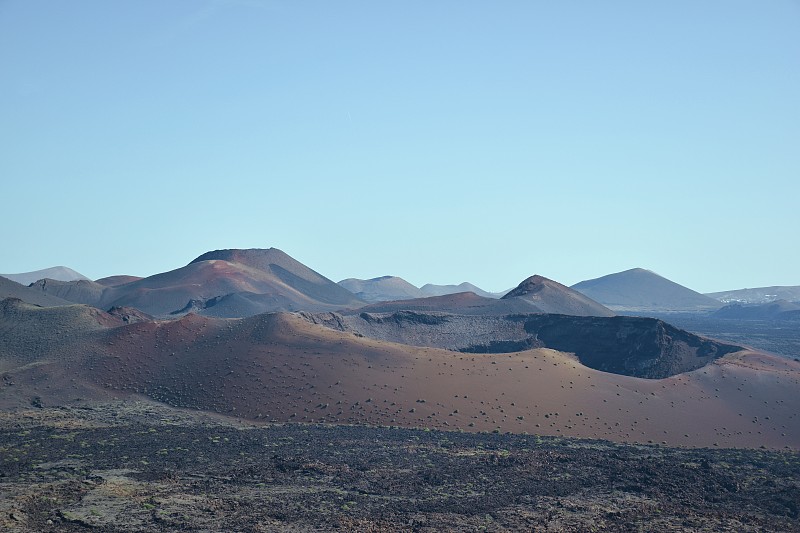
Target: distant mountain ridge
<point x="393" y="288"/>
<point x="462" y="303"/>
<point x="534" y="295"/>
<point x="758" y="295"/>
<point x="235" y="283"/>
<point x="638" y="289"/>
<point x="382" y="289"/>
<point x="429" y="289"/>
<point x="232" y="283"/>
<point x="60" y="273"/>
<point x="777" y="310"/>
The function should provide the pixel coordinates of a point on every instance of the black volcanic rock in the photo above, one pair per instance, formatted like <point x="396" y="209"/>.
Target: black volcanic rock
<point x="548" y="296"/>
<point x="631" y="346"/>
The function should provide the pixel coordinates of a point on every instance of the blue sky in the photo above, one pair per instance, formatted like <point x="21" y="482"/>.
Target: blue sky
<point x="437" y="141"/>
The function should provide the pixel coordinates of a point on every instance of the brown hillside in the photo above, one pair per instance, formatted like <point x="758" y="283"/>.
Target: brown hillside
<point x="280" y="367"/>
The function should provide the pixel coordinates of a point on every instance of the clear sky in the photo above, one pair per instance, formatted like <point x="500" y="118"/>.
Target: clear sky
<point x="437" y="141"/>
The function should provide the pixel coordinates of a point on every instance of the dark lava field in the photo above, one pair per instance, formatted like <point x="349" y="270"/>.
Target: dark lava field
<point x="143" y="467"/>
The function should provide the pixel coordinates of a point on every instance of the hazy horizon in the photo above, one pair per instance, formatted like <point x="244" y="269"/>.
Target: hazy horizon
<point x="417" y="284"/>
<point x="441" y="143"/>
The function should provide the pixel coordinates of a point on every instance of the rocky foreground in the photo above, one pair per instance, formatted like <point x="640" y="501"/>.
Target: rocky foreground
<point x="138" y="466"/>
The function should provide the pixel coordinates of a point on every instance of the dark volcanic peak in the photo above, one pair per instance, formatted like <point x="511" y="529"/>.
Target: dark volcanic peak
<point x="638" y="289"/>
<point x="532" y="285"/>
<point x="548" y="296"/>
<point x="259" y="258"/>
<point x="382" y="289"/>
<point x="288" y="270"/>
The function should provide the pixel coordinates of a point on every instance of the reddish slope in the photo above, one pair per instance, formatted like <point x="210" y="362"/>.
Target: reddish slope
<point x="286" y="271"/>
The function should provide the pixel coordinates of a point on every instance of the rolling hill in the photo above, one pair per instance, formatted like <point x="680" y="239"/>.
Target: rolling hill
<point x="282" y="367"/>
<point x="638" y="290"/>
